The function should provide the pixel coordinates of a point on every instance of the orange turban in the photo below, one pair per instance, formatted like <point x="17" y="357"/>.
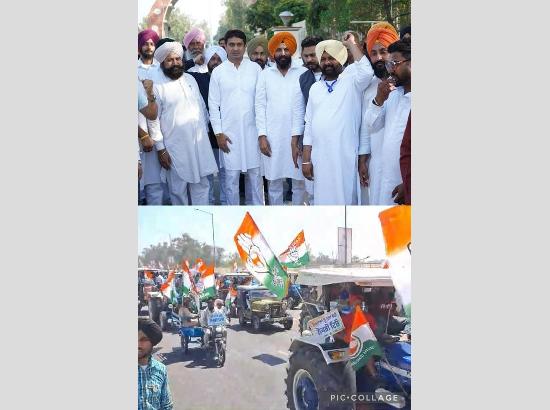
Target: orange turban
<point x="383" y="33"/>
<point x="282" y="37"/>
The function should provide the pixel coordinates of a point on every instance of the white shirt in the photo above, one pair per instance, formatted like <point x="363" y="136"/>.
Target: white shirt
<point x="231" y="103"/>
<point x="274" y="119"/>
<point x="149" y="160"/>
<point x="182" y="128"/>
<point x="198" y="69"/>
<point x="332" y="129"/>
<point x="147" y="71"/>
<point x="390" y="120"/>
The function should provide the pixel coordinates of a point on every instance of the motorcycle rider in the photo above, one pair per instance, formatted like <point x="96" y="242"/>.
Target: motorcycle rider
<point x="205" y="315"/>
<point x="219" y="307"/>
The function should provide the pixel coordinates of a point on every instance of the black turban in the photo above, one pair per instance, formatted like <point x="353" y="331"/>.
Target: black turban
<point x="151" y="330"/>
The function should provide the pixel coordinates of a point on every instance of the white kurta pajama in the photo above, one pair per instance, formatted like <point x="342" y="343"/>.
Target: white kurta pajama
<point x="386" y="126"/>
<point x="370" y="144"/>
<point x="231" y="103"/>
<point x="332" y="129"/>
<point x="274" y="120"/>
<point x="183" y="123"/>
<point x="150" y="181"/>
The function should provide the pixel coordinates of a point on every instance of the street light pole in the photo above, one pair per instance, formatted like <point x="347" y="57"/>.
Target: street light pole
<point x="213" y="236"/>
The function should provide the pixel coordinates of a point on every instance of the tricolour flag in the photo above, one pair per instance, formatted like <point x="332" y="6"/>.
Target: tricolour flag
<point x="207" y="283"/>
<point x="168" y="287"/>
<point x="363" y="344"/>
<point x="396" y="227"/>
<point x="188" y="284"/>
<point x="259" y="259"/>
<point x="296" y="255"/>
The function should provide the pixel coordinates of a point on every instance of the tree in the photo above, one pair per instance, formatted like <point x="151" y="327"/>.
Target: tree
<point x="264" y="14"/>
<point x="177" y="25"/>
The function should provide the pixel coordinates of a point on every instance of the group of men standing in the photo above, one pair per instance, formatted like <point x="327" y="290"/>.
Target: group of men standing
<point x="331" y="125"/>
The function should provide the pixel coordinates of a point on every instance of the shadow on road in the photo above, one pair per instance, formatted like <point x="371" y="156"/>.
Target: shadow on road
<point x="265" y="330"/>
<point x="269" y="359"/>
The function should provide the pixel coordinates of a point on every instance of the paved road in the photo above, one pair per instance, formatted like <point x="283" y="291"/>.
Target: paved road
<point x="251" y="379"/>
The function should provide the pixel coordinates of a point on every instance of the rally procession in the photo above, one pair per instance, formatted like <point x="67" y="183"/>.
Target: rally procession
<point x="286" y="117"/>
<point x="259" y="310"/>
<point x="247" y="103"/>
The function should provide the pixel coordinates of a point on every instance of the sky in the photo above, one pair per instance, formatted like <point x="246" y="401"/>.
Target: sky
<point x="279" y="225"/>
<point x="209" y="10"/>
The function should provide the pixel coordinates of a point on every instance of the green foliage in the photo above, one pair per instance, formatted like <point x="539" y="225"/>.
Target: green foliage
<point x="177" y="25"/>
<point x="264" y="14"/>
<point x="179" y="249"/>
<point x="234" y="18"/>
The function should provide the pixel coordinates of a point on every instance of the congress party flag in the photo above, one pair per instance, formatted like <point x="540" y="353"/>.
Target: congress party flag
<point x="363" y="344"/>
<point x="259" y="259"/>
<point x="296" y="255"/>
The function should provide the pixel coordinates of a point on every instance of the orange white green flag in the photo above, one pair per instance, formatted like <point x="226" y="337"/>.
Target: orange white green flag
<point x="168" y="287"/>
<point x="259" y="259"/>
<point x="296" y="255"/>
<point x="396" y="227"/>
<point x="363" y="344"/>
<point x="188" y="284"/>
<point x="206" y="285"/>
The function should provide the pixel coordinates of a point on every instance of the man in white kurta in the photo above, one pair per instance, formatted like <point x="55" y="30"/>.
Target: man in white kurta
<point x="385" y="120"/>
<point x="147" y="67"/>
<point x="231" y="104"/>
<point x="376" y="43"/>
<point x="333" y="119"/>
<point x="274" y="119"/>
<point x="181" y="131"/>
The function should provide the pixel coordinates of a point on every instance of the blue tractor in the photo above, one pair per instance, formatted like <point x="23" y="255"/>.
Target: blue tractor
<point x="319" y="367"/>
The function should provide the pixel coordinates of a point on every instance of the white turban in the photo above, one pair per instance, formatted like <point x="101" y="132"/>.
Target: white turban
<point x="167" y="48"/>
<point x="210" y="51"/>
<point x="335" y="48"/>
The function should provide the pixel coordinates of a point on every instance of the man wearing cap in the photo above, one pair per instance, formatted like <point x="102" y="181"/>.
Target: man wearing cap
<point x="231" y="104"/>
<point x="181" y="131"/>
<point x="257" y="50"/>
<point x="274" y="119"/>
<point x="213" y="57"/>
<point x="194" y="42"/>
<point x="375" y="45"/>
<point x="388" y="112"/>
<point x="153" y="386"/>
<point x="333" y="118"/>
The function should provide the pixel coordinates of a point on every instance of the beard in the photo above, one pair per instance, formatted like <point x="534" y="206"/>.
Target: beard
<point x="380" y="70"/>
<point x="283" y="62"/>
<point x="330" y="70"/>
<point x="144" y="353"/>
<point x="312" y="66"/>
<point x="260" y="62"/>
<point x="174" y="72"/>
<point x="147" y="54"/>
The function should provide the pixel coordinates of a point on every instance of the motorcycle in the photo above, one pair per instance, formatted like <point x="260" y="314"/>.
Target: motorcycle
<point x="218" y="336"/>
<point x="218" y="340"/>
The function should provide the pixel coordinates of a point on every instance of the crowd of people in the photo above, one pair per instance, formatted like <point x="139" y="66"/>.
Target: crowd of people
<point x="333" y="126"/>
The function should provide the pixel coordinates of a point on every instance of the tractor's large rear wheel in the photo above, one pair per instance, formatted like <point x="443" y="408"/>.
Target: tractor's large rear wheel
<point x="310" y="381"/>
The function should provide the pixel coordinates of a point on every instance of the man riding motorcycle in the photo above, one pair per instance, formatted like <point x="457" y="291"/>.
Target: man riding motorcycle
<point x="205" y="315"/>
